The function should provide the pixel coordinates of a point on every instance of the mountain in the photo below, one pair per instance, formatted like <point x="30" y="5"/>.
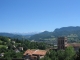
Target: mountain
<point x="41" y="35"/>
<point x="16" y="35"/>
<point x="7" y="34"/>
<point x="11" y="35"/>
<point x="70" y="31"/>
<point x="64" y="31"/>
<point x="28" y="33"/>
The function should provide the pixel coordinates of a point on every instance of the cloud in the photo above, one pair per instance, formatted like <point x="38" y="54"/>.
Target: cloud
<point x="42" y="30"/>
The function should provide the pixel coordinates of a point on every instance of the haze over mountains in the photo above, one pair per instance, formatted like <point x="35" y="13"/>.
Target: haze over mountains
<point x="64" y="31"/>
<point x="18" y="35"/>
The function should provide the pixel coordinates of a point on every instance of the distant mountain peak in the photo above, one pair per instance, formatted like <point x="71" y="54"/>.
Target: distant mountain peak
<point x="63" y="31"/>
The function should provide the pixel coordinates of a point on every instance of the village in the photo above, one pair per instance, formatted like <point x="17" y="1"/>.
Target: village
<point x="38" y="54"/>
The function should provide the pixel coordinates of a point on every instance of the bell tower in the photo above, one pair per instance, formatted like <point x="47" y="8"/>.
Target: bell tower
<point x="62" y="41"/>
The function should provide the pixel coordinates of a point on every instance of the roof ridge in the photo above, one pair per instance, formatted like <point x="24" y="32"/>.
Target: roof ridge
<point x="35" y="51"/>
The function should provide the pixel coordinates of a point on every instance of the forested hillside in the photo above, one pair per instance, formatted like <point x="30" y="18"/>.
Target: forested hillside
<point x="70" y="32"/>
<point x="14" y="48"/>
<point x="73" y="34"/>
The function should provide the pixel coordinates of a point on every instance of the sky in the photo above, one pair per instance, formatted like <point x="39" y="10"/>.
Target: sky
<point x="24" y="16"/>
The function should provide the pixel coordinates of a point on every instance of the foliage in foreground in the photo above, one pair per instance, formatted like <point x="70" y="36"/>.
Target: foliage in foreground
<point x="67" y="54"/>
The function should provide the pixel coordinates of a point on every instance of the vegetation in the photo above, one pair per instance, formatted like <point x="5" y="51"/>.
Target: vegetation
<point x="67" y="54"/>
<point x="9" y="53"/>
<point x="10" y="47"/>
<point x="73" y="34"/>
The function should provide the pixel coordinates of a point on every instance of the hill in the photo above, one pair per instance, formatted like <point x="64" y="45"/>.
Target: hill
<point x="12" y="35"/>
<point x="73" y="33"/>
<point x="41" y="35"/>
<point x="64" y="31"/>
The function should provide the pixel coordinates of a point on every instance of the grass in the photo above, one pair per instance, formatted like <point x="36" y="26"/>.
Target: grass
<point x="1" y="41"/>
<point x="3" y="46"/>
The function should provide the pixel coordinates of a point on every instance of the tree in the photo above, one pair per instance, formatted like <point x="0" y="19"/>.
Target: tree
<point x="78" y="55"/>
<point x="69" y="53"/>
<point x="60" y="54"/>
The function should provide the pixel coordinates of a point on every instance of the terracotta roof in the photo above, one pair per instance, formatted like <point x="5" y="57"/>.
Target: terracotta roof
<point x="40" y="52"/>
<point x="29" y="52"/>
<point x="35" y="52"/>
<point x="67" y="45"/>
<point x="74" y="44"/>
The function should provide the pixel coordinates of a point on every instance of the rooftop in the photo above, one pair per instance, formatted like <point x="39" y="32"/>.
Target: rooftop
<point x="73" y="44"/>
<point x="35" y="52"/>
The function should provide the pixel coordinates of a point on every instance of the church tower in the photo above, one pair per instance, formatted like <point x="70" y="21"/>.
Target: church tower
<point x="62" y="41"/>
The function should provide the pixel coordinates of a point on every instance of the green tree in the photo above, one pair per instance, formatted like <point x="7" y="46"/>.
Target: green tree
<point x="78" y="55"/>
<point x="69" y="53"/>
<point x="60" y="54"/>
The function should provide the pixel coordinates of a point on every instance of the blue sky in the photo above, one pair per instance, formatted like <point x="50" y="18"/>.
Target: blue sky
<point x="38" y="15"/>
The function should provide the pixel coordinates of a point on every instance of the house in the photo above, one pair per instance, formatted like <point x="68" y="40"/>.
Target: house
<point x="34" y="54"/>
<point x="21" y="48"/>
<point x="13" y="42"/>
<point x="2" y="54"/>
<point x="76" y="46"/>
<point x="14" y="46"/>
<point x="16" y="50"/>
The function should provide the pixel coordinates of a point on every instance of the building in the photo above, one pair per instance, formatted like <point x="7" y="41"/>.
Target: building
<point x="13" y="42"/>
<point x="76" y="46"/>
<point x="16" y="50"/>
<point x="1" y="54"/>
<point x="34" y="54"/>
<point x="21" y="48"/>
<point x="62" y="42"/>
<point x="14" y="46"/>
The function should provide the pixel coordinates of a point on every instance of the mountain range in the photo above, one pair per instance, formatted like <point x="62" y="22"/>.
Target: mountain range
<point x="58" y="32"/>
<point x="70" y="31"/>
<point x="17" y="35"/>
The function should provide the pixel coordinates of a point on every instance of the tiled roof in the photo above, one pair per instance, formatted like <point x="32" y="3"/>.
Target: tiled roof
<point x="35" y="52"/>
<point x="29" y="52"/>
<point x="74" y="44"/>
<point x="40" y="52"/>
<point x="67" y="45"/>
